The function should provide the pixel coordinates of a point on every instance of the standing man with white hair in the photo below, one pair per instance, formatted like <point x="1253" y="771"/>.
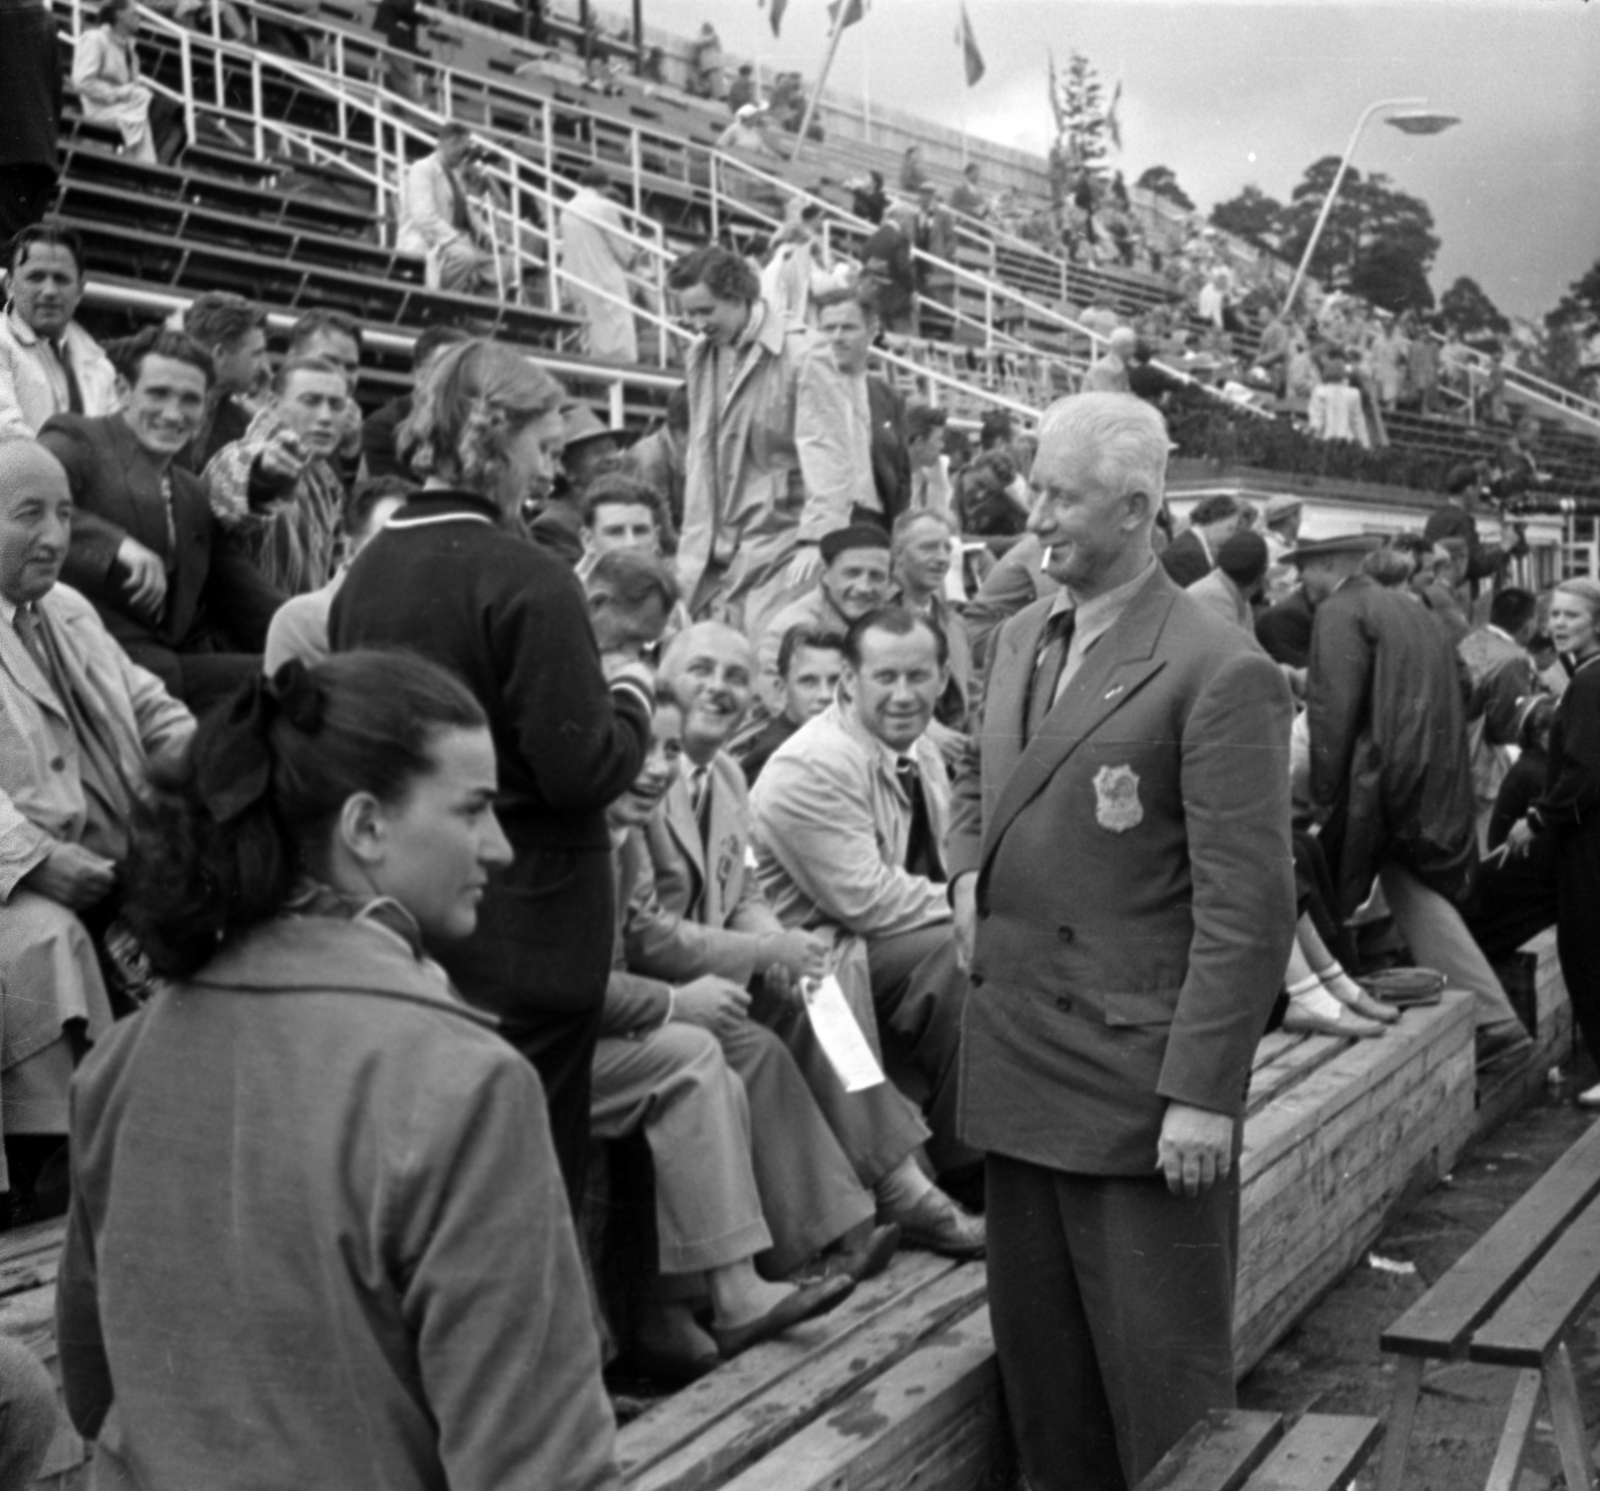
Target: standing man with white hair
<point x="1121" y="878"/>
<point x="596" y="255"/>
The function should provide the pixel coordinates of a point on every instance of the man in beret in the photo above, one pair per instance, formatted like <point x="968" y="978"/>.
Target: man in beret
<point x="1391" y="778"/>
<point x="854" y="580"/>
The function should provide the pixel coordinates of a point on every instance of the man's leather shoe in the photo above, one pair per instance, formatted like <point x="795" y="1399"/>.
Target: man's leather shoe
<point x="804" y="1302"/>
<point x="867" y="1256"/>
<point x="939" y="1225"/>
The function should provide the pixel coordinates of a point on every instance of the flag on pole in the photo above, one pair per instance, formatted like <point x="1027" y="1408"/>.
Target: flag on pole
<point x="775" y="15"/>
<point x="853" y="11"/>
<point x="1113" y="125"/>
<point x="969" y="49"/>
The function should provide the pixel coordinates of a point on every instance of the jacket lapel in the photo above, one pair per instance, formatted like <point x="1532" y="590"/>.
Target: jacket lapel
<point x="28" y="676"/>
<point x="1117" y="667"/>
<point x="685" y="832"/>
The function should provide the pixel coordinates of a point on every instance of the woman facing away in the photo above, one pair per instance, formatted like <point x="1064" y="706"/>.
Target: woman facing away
<point x="318" y="1235"/>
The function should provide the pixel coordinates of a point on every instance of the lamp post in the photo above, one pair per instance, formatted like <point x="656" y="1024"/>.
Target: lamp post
<point x="1416" y="119"/>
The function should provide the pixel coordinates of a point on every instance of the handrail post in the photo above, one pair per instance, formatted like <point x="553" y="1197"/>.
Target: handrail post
<point x="547" y="128"/>
<point x="716" y="183"/>
<point x="186" y="68"/>
<point x="636" y="165"/>
<point x="258" y="109"/>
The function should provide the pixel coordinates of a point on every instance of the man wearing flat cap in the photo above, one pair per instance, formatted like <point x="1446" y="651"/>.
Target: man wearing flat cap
<point x="1391" y="777"/>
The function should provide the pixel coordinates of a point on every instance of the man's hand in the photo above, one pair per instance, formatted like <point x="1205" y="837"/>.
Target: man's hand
<point x="1519" y="839"/>
<point x="1195" y="1148"/>
<point x="713" y="1003"/>
<point x="803" y="568"/>
<point x="801" y="954"/>
<point x="964" y="907"/>
<point x="147" y="576"/>
<point x="282" y="459"/>
<point x="72" y="876"/>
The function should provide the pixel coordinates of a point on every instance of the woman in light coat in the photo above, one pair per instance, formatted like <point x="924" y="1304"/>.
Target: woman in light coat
<point x="318" y="1236"/>
<point x="105" y="73"/>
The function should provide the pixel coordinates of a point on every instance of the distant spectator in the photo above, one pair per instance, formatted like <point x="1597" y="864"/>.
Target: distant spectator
<point x="436" y="221"/>
<point x="923" y="549"/>
<point x="1284" y="630"/>
<point x="742" y="476"/>
<point x="1109" y="374"/>
<point x="748" y="131"/>
<point x="912" y="175"/>
<point x="810" y="660"/>
<point x="1455" y="519"/>
<point x="1387" y="360"/>
<point x="300" y="626"/>
<point x="965" y="197"/>
<point x="742" y="90"/>
<point x="887" y="263"/>
<point x="1498" y="663"/>
<point x="868" y="199"/>
<point x="794" y="273"/>
<point x="105" y="74"/>
<point x="596" y="257"/>
<point x="277" y="486"/>
<point x="48" y="363"/>
<point x="707" y="77"/>
<point x="986" y="503"/>
<point x="1272" y="353"/>
<point x="934" y="234"/>
<point x="621" y="515"/>
<point x="399" y="23"/>
<point x="379" y="430"/>
<point x="1231" y="588"/>
<point x="1335" y="411"/>
<point x="233" y="331"/>
<point x="930" y="467"/>
<point x="1193" y="553"/>
<point x="658" y="459"/>
<point x="171" y="584"/>
<point x="30" y="83"/>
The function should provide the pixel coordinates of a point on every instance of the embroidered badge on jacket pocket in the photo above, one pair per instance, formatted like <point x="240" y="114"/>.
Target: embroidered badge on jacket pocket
<point x="1116" y="799"/>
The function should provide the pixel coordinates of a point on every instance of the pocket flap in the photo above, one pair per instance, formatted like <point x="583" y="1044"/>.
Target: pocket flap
<point x="1141" y="1007"/>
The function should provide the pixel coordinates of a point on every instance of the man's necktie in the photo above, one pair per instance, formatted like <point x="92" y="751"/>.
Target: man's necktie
<point x="922" y="853"/>
<point x="74" y="392"/>
<point x="1048" y="662"/>
<point x="700" y="800"/>
<point x="26" y="622"/>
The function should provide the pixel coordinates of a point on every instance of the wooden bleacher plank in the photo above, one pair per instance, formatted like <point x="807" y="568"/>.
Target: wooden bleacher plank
<point x="1529" y="1324"/>
<point x="1481" y="1280"/>
<point x="663" y="1429"/>
<point x="1218" y="1453"/>
<point x="931" y="1422"/>
<point x="1326" y="1161"/>
<point x="841" y="1365"/>
<point x="30" y="1255"/>
<point x="1292" y="1064"/>
<point x="1321" y="1453"/>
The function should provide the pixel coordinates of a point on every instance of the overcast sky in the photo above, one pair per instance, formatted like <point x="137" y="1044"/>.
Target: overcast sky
<point x="1229" y="91"/>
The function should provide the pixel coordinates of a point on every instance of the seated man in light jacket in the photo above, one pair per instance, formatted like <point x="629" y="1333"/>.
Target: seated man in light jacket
<point x="850" y="816"/>
<point x="79" y="724"/>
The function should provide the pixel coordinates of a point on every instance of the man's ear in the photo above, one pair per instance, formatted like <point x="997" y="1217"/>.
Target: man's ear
<point x="363" y="829"/>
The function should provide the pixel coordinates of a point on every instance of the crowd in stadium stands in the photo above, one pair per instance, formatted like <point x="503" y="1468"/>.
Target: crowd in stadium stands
<point x="598" y="797"/>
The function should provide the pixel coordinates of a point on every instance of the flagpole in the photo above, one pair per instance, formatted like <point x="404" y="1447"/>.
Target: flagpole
<point x="827" y="64"/>
<point x="961" y="48"/>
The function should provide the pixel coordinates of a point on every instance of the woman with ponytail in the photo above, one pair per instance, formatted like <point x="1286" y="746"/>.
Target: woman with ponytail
<point x="317" y="1234"/>
<point x="453" y="578"/>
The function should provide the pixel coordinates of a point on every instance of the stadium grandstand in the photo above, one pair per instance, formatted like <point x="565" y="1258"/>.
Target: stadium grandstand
<point x="289" y="191"/>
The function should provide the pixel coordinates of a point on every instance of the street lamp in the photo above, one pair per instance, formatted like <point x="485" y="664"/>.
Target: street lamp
<point x="1412" y="117"/>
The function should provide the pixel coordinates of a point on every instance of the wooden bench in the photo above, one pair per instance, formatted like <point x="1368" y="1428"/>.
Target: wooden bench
<point x="1240" y="1451"/>
<point x="1511" y="1300"/>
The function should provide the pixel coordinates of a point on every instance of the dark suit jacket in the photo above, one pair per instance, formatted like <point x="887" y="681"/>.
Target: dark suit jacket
<point x="1185" y="559"/>
<point x="216" y="598"/>
<point x="1135" y="885"/>
<point x="1285" y="629"/>
<point x="891" y="467"/>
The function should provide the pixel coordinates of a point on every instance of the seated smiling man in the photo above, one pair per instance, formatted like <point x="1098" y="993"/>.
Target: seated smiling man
<point x="744" y="1163"/>
<point x="848" y="823"/>
<point x="854" y="580"/>
<point x="79" y="724"/>
<point x="175" y="588"/>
